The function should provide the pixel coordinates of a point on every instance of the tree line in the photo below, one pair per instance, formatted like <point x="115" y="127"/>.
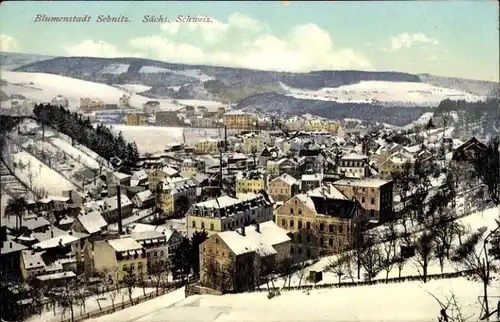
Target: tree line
<point x="99" y="139"/>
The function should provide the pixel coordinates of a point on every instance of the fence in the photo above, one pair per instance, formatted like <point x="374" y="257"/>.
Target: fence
<point x="412" y="278"/>
<point x="120" y="306"/>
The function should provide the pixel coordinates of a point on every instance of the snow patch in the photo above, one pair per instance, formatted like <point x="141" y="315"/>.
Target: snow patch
<point x="116" y="69"/>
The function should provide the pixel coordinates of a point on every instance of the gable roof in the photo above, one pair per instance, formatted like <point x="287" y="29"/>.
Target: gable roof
<point x="92" y="222"/>
<point x="260" y="242"/>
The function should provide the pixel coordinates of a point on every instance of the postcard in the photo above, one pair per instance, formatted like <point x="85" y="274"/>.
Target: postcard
<point x="249" y="161"/>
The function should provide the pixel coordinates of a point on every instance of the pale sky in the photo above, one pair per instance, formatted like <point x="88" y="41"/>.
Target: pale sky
<point x="448" y="38"/>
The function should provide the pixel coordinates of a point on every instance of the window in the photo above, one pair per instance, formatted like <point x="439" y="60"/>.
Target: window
<point x="300" y="211"/>
<point x="308" y="225"/>
<point x="149" y="254"/>
<point x="291" y="223"/>
<point x="363" y="200"/>
<point x="162" y="253"/>
<point x="132" y="267"/>
<point x="373" y="201"/>
<point x="194" y="224"/>
<point x="299" y="238"/>
<point x="321" y="226"/>
<point x="308" y="253"/>
<point x="155" y="254"/>
<point x="321" y="241"/>
<point x="299" y="225"/>
<point x="217" y="240"/>
<point x="372" y="213"/>
<point x="202" y="225"/>
<point x="340" y="229"/>
<point x="308" y="238"/>
<point x="330" y="241"/>
<point x="330" y="228"/>
<point x="211" y="226"/>
<point x="124" y="268"/>
<point x="291" y="211"/>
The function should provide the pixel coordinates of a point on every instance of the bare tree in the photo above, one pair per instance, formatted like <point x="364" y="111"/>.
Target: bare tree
<point x="450" y="311"/>
<point x="370" y="260"/>
<point x="284" y="269"/>
<point x="339" y="265"/>
<point x="130" y="281"/>
<point x="423" y="252"/>
<point x="473" y="255"/>
<point x="66" y="297"/>
<point x="158" y="273"/>
<point x="388" y="249"/>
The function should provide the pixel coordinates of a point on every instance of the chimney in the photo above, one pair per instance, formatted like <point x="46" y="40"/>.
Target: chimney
<point x="60" y="243"/>
<point x="257" y="227"/>
<point x="52" y="233"/>
<point x="243" y="231"/>
<point x="119" y="202"/>
<point x="71" y="233"/>
<point x="10" y="244"/>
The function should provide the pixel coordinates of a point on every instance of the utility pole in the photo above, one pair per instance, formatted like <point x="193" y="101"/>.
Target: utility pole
<point x="220" y="170"/>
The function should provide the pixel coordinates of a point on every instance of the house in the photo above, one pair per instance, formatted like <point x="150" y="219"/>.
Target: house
<point x="155" y="245"/>
<point x="109" y="208"/>
<point x="239" y="120"/>
<point x="253" y="143"/>
<point x="167" y="118"/>
<point x="10" y="256"/>
<point x="54" y="203"/>
<point x="251" y="181"/>
<point x="228" y="213"/>
<point x="311" y="181"/>
<point x="208" y="146"/>
<point x="156" y="176"/>
<point x="189" y="168"/>
<point x="115" y="258"/>
<point x="136" y="118"/>
<point x="234" y="260"/>
<point x="151" y="107"/>
<point x="469" y="151"/>
<point x="60" y="101"/>
<point x="76" y="198"/>
<point x="397" y="163"/>
<point x="178" y="195"/>
<point x="173" y="237"/>
<point x="374" y="196"/>
<point x="144" y="199"/>
<point x="139" y="178"/>
<point x="283" y="187"/>
<point x="117" y="178"/>
<point x="320" y="222"/>
<point x="91" y="223"/>
<point x="353" y="166"/>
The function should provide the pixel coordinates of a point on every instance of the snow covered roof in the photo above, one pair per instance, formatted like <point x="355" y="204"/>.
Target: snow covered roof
<point x="124" y="244"/>
<point x="55" y="276"/>
<point x="312" y="177"/>
<point x="121" y="176"/>
<point x="288" y="179"/>
<point x="92" y="222"/>
<point x="50" y="233"/>
<point x="144" y="195"/>
<point x="10" y="246"/>
<point x="112" y="202"/>
<point x="366" y="182"/>
<point x="56" y="242"/>
<point x="32" y="259"/>
<point x="329" y="191"/>
<point x="261" y="242"/>
<point x="35" y="223"/>
<point x="139" y="175"/>
<point x="148" y="234"/>
<point x="354" y="156"/>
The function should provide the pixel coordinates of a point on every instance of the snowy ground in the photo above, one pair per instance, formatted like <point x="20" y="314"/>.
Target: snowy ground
<point x="134" y="88"/>
<point x="42" y="177"/>
<point x="392" y="302"/>
<point x="145" y="308"/>
<point x="74" y="153"/>
<point x="150" y="139"/>
<point x="384" y="92"/>
<point x="90" y="305"/>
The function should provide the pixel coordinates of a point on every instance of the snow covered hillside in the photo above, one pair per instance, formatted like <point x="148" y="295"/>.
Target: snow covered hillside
<point x="391" y="93"/>
<point x="41" y="87"/>
<point x="391" y="302"/>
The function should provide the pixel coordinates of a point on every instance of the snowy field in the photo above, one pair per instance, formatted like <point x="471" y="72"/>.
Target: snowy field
<point x="42" y="176"/>
<point x="423" y="120"/>
<point x="116" y="69"/>
<point x="382" y="91"/>
<point x="74" y="153"/>
<point x="151" y="139"/>
<point x="210" y="105"/>
<point x="90" y="305"/>
<point x="392" y="302"/>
